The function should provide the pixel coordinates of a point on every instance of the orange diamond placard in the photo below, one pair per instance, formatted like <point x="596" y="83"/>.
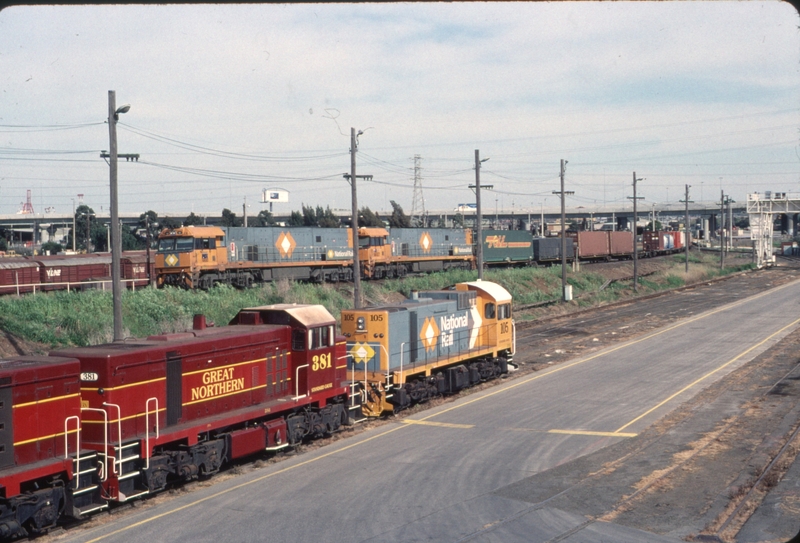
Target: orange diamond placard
<point x="426" y="242"/>
<point x="429" y="333"/>
<point x="285" y="244"/>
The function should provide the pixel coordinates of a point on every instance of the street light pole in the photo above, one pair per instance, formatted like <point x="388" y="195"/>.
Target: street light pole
<point x="116" y="245"/>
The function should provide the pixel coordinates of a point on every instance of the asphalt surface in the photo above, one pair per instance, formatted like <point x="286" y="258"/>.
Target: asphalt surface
<point x="547" y="456"/>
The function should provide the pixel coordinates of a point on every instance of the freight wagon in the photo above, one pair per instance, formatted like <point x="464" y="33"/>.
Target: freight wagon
<point x="18" y="275"/>
<point x="56" y="272"/>
<point x="520" y="248"/>
<point x="662" y="242"/>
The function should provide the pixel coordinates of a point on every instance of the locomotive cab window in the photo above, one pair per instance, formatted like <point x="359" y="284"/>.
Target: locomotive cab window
<point x="488" y="311"/>
<point x="372" y="241"/>
<point x="320" y="337"/>
<point x="205" y="243"/>
<point x="298" y="340"/>
<point x="175" y="244"/>
<point x="504" y="311"/>
<point x="184" y="244"/>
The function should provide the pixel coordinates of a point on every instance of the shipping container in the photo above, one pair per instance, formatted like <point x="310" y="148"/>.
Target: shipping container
<point x="660" y="242"/>
<point x="549" y="249"/>
<point x="621" y="243"/>
<point x="591" y="244"/>
<point x="507" y="247"/>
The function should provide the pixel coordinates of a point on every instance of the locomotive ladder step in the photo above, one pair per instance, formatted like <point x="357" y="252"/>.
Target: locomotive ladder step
<point x="91" y="508"/>
<point x="133" y="496"/>
<point x="84" y="490"/>
<point x="128" y="475"/>
<point x="92" y="469"/>
<point x="129" y="459"/>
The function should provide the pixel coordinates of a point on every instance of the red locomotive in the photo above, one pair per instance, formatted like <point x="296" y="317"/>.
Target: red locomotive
<point x="86" y="427"/>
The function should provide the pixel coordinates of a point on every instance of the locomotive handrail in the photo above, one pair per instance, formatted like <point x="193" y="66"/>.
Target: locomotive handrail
<point x="104" y="474"/>
<point x="353" y="380"/>
<point x="147" y="427"/>
<point x="513" y="337"/>
<point x="119" y="436"/>
<point x="77" y="444"/>
<point x="297" y="383"/>
<point x="401" y="361"/>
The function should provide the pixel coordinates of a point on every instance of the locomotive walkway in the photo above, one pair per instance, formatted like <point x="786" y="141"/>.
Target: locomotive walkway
<point x="569" y="453"/>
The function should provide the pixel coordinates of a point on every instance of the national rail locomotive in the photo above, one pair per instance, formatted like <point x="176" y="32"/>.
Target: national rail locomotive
<point x="433" y="343"/>
<point x="201" y="257"/>
<point x="86" y="428"/>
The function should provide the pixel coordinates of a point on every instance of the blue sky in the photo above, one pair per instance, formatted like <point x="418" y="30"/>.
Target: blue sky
<point x="227" y="100"/>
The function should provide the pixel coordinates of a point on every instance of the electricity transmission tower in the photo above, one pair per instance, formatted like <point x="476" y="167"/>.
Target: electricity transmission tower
<point x="417" y="202"/>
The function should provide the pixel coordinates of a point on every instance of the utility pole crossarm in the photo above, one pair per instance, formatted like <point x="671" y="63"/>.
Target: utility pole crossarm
<point x="127" y="156"/>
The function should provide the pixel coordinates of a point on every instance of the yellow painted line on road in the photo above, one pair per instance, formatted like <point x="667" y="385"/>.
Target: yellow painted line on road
<point x="712" y="372"/>
<point x="589" y="433"/>
<point x="441" y="424"/>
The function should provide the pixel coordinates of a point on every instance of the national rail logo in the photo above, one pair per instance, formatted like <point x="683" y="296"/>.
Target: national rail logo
<point x="429" y="333"/>
<point x="426" y="242"/>
<point x="285" y="244"/>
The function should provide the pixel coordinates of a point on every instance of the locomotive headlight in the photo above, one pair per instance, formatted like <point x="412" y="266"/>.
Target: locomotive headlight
<point x="361" y="323"/>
